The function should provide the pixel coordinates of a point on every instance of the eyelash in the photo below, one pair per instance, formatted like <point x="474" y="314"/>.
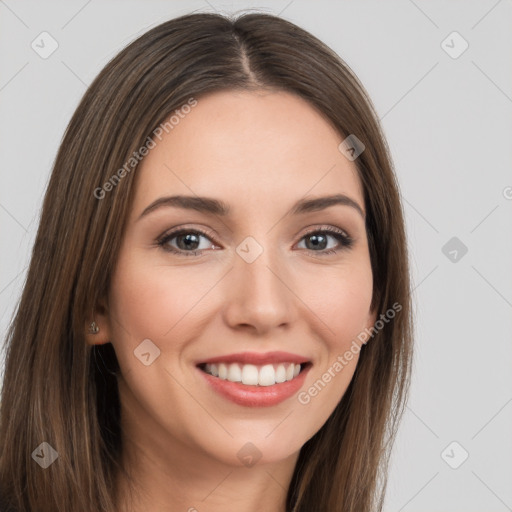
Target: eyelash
<point x="345" y="240"/>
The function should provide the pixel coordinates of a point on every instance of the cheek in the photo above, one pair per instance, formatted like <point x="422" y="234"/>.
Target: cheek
<point x="342" y="300"/>
<point x="148" y="302"/>
<point x="165" y="304"/>
<point x="148" y="291"/>
<point x="340" y="309"/>
<point x="351" y="314"/>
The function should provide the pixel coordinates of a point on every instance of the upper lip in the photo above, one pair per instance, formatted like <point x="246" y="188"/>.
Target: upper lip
<point x="258" y="358"/>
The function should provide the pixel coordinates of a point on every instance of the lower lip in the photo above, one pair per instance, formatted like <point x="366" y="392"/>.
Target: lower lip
<point x="256" y="396"/>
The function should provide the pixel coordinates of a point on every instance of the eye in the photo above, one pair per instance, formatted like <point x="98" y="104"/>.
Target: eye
<point x="318" y="240"/>
<point x="186" y="242"/>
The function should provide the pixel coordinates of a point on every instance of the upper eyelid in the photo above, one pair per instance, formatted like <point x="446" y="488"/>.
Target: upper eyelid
<point x="169" y="235"/>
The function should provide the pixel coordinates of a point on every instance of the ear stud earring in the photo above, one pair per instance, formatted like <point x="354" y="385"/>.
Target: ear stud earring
<point x="93" y="328"/>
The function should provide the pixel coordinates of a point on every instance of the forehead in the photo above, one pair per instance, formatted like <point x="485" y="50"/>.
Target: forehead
<point x="250" y="148"/>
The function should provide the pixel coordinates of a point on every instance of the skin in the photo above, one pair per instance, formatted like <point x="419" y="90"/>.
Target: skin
<point x="259" y="152"/>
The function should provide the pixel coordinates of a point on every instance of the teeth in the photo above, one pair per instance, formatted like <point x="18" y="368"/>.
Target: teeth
<point x="252" y="375"/>
<point x="281" y="373"/>
<point x="234" y="373"/>
<point x="223" y="371"/>
<point x="267" y="375"/>
<point x="249" y="374"/>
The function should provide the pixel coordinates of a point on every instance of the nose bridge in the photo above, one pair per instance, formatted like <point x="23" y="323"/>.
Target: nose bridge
<point x="258" y="294"/>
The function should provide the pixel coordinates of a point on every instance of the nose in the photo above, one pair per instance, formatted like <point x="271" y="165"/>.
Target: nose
<point x="260" y="295"/>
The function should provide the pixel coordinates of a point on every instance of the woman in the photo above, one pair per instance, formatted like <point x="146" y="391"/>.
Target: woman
<point x="217" y="310"/>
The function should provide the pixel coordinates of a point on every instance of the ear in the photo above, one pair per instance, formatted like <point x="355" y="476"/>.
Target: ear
<point x="102" y="322"/>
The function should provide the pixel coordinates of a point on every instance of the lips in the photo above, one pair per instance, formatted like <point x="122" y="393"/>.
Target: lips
<point x="256" y="380"/>
<point x="257" y="358"/>
<point x="253" y="369"/>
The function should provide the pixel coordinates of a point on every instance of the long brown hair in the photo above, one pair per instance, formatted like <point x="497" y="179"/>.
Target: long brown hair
<point x="60" y="390"/>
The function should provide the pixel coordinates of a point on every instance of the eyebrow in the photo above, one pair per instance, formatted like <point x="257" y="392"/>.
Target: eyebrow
<point x="217" y="207"/>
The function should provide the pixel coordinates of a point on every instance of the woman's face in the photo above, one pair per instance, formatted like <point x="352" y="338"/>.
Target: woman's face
<point x="266" y="279"/>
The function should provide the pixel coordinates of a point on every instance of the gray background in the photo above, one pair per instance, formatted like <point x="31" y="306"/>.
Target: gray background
<point x="448" y="122"/>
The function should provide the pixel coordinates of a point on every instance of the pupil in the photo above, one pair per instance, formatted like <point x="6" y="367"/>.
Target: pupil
<point x="189" y="239"/>
<point x="317" y="241"/>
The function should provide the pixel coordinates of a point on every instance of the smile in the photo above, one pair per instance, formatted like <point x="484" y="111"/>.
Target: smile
<point x="253" y="379"/>
<point x="253" y="375"/>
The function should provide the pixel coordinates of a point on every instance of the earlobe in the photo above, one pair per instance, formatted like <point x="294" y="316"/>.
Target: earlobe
<point x="97" y="331"/>
<point x="93" y="328"/>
